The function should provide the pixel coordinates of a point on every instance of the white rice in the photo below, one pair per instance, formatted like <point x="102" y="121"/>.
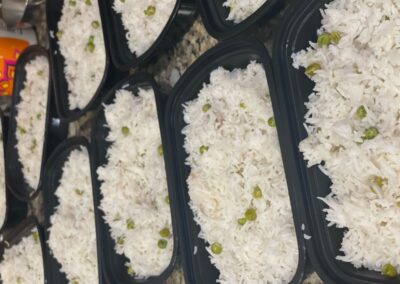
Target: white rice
<point x="239" y="10"/>
<point x="73" y="233"/>
<point x="23" y="262"/>
<point x="243" y="153"/>
<point x="361" y="70"/>
<point x="143" y="27"/>
<point x="31" y="119"/>
<point x="84" y="69"/>
<point x="3" y="202"/>
<point x="135" y="179"/>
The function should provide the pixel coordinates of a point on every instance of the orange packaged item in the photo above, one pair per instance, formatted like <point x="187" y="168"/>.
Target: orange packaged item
<point x="10" y="49"/>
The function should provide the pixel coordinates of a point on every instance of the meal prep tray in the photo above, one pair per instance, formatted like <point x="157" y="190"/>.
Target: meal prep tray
<point x="15" y="178"/>
<point x="180" y="21"/>
<point x="300" y="26"/>
<point x="230" y="55"/>
<point x="51" y="181"/>
<point x="113" y="264"/>
<point x="214" y="17"/>
<point x="57" y="62"/>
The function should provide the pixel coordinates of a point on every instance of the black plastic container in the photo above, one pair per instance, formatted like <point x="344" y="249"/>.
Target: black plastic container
<point x="300" y="25"/>
<point x="16" y="210"/>
<point x="230" y="55"/>
<point x="114" y="269"/>
<point x="180" y="21"/>
<point x="57" y="62"/>
<point x="51" y="181"/>
<point x="15" y="178"/>
<point x="23" y="229"/>
<point x="214" y="17"/>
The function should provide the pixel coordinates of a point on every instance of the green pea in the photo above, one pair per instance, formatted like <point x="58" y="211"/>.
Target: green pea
<point x="389" y="270"/>
<point x="310" y="70"/>
<point x="59" y="34"/>
<point x="91" y="39"/>
<point x="242" y="221"/>
<point x="120" y="240"/>
<point x="271" y="122"/>
<point x="72" y="2"/>
<point x="398" y="204"/>
<point x="19" y="279"/>
<point x="95" y="24"/>
<point x="74" y="281"/>
<point x="324" y="39"/>
<point x="216" y="248"/>
<point x="206" y="107"/>
<point x="166" y="199"/>
<point x="35" y="236"/>
<point x="165" y="233"/>
<point x="130" y="224"/>
<point x="379" y="181"/>
<point x="162" y="244"/>
<point x="125" y="131"/>
<point x="361" y="112"/>
<point x="88" y="2"/>
<point x="160" y="150"/>
<point x="90" y="47"/>
<point x="203" y="149"/>
<point x="242" y="105"/>
<point x="150" y="10"/>
<point x="40" y="72"/>
<point x="370" y="133"/>
<point x="130" y="271"/>
<point x="250" y="214"/>
<point x="21" y="130"/>
<point x="78" y="191"/>
<point x="387" y="18"/>
<point x="33" y="145"/>
<point x="257" y="193"/>
<point x="335" y="37"/>
<point x="38" y="116"/>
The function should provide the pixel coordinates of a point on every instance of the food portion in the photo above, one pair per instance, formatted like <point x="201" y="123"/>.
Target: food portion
<point x="353" y="126"/>
<point x="31" y="114"/>
<point x="134" y="178"/>
<point x="237" y="184"/>
<point x="81" y="43"/>
<point x="239" y="10"/>
<point x="23" y="262"/>
<point x="72" y="237"/>
<point x="143" y="21"/>
<point x="3" y="201"/>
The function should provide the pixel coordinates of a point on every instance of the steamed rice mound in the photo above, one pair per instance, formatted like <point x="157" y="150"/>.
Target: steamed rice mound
<point x="236" y="166"/>
<point x="81" y="42"/>
<point x="144" y="21"/>
<point x="353" y="126"/>
<point x="23" y="262"/>
<point x="239" y="10"/>
<point x="31" y="119"/>
<point x="134" y="186"/>
<point x="72" y="237"/>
